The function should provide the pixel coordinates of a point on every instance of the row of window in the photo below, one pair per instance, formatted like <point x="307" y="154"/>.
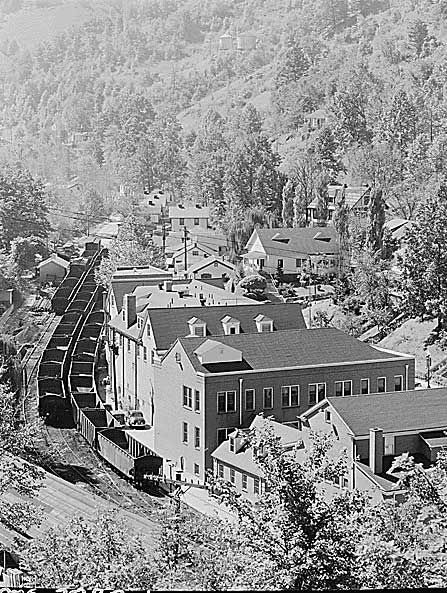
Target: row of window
<point x="182" y="221"/>
<point x="290" y="394"/>
<point x="138" y="349"/>
<point x="256" y="484"/>
<point x="185" y="435"/>
<point x="189" y="401"/>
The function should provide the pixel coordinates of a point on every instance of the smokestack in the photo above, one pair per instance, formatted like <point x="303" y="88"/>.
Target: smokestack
<point x="376" y="450"/>
<point x="130" y="308"/>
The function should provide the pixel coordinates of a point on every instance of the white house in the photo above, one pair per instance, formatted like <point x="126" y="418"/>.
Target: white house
<point x="52" y="269"/>
<point x="191" y="217"/>
<point x="195" y="253"/>
<point x="293" y="250"/>
<point x="211" y="267"/>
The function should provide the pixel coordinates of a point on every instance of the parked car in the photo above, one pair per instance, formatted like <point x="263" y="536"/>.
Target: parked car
<point x="136" y="418"/>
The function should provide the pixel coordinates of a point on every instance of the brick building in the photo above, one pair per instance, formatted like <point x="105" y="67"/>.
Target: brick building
<point x="207" y="387"/>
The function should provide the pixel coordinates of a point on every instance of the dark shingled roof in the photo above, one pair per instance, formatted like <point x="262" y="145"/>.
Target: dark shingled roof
<point x="293" y="348"/>
<point x="417" y="410"/>
<point x="170" y="324"/>
<point x="314" y="240"/>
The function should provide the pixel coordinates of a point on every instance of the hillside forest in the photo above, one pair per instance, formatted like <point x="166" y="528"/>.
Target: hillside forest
<point x="213" y="101"/>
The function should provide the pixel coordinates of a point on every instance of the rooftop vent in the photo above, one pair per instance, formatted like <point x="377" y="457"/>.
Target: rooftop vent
<point x="181" y="206"/>
<point x="280" y="239"/>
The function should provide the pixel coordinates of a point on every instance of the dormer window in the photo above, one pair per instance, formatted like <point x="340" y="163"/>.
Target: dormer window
<point x="231" y="325"/>
<point x="140" y="322"/>
<point x="264" y="323"/>
<point x="197" y="327"/>
<point x="231" y="444"/>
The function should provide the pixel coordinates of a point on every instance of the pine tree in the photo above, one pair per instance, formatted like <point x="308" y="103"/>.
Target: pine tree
<point x="424" y="279"/>
<point x="376" y="220"/>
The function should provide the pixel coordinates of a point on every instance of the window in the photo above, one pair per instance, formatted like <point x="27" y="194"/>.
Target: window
<point x="197" y="437"/>
<point x="226" y="402"/>
<point x="152" y="357"/>
<point x="266" y="327"/>
<point x="280" y="263"/>
<point x="187" y="397"/>
<point x="249" y="399"/>
<point x="220" y="471"/>
<point x="138" y="350"/>
<point x="222" y="434"/>
<point x="198" y="331"/>
<point x="231" y="444"/>
<point x="381" y="384"/>
<point x="298" y="263"/>
<point x="182" y="222"/>
<point x="128" y="345"/>
<point x="290" y="396"/>
<point x="216" y="264"/>
<point x="327" y="415"/>
<point x="317" y="392"/>
<point x="256" y="485"/>
<point x="144" y="353"/>
<point x="232" y="475"/>
<point x="268" y="398"/>
<point x="195" y="252"/>
<point x="185" y="432"/>
<point x="196" y="221"/>
<point x="196" y="469"/>
<point x="244" y="482"/>
<point x="343" y="388"/>
<point x="364" y="386"/>
<point x="344" y="482"/>
<point x="232" y="330"/>
<point x="148" y="329"/>
<point x="398" y="382"/>
<point x="139" y="323"/>
<point x="196" y="401"/>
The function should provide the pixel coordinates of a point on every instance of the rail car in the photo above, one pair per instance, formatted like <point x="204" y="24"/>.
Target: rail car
<point x="67" y="373"/>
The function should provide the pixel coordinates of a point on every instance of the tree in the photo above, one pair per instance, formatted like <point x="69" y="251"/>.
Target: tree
<point x="23" y="210"/>
<point x="293" y="63"/>
<point x="341" y="224"/>
<point x="372" y="284"/>
<point x="252" y="178"/>
<point x="253" y="284"/>
<point x="102" y="552"/>
<point x="417" y="35"/>
<point x="130" y="248"/>
<point x="294" y="538"/>
<point x="402" y="544"/>
<point x="18" y="471"/>
<point x="424" y="266"/>
<point x="376" y="220"/>
<point x="25" y="253"/>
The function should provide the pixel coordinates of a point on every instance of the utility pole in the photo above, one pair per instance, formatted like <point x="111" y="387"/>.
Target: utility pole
<point x="185" y="232"/>
<point x="164" y="239"/>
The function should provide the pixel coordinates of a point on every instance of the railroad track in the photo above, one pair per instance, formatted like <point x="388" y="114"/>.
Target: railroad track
<point x="113" y="489"/>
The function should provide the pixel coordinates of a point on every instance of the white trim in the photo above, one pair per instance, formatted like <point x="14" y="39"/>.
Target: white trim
<point x="402" y="383"/>
<point x="369" y="386"/>
<point x="263" y="398"/>
<point x="300" y="367"/>
<point x="377" y="385"/>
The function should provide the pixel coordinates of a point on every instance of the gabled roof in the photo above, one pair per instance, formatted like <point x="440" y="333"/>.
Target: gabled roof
<point x="243" y="459"/>
<point x="208" y="261"/>
<point x="170" y="324"/>
<point x="192" y="246"/>
<point x="288" y="242"/>
<point x="56" y="259"/>
<point x="414" y="411"/>
<point x="299" y="348"/>
<point x="189" y="212"/>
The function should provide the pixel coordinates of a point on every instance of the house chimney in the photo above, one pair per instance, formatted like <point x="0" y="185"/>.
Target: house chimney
<point x="168" y="285"/>
<point x="376" y="450"/>
<point x="130" y="308"/>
